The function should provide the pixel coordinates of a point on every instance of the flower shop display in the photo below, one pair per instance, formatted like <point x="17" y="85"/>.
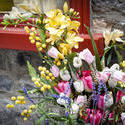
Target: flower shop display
<point x="90" y="89"/>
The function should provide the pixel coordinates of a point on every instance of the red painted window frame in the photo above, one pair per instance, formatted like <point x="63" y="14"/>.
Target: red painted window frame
<point x="16" y="38"/>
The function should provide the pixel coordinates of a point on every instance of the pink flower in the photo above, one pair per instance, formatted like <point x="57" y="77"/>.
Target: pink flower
<point x="62" y="87"/>
<point x="101" y="102"/>
<point x="81" y="100"/>
<point x="55" y="70"/>
<point x="102" y="76"/>
<point x="87" y="80"/>
<point x="123" y="117"/>
<point x="119" y="95"/>
<point x="94" y="119"/>
<point x="87" y="56"/>
<point x="53" y="52"/>
<point x="119" y="76"/>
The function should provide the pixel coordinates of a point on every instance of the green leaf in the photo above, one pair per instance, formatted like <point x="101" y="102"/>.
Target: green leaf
<point x="98" y="62"/>
<point x="32" y="70"/>
<point x="109" y="59"/>
<point x="119" y="56"/>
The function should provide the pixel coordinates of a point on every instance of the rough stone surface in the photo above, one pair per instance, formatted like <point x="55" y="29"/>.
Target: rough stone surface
<point x="5" y="83"/>
<point x="13" y="76"/>
<point x="108" y="14"/>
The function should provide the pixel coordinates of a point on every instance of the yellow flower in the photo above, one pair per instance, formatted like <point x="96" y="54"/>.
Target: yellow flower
<point x="13" y="98"/>
<point x="25" y="119"/>
<point x="73" y="39"/>
<point x="65" y="7"/>
<point x="74" y="25"/>
<point x="123" y="64"/>
<point x="107" y="36"/>
<point x="56" y="22"/>
<point x="32" y="107"/>
<point x="112" y="36"/>
<point x="116" y="35"/>
<point x="65" y="48"/>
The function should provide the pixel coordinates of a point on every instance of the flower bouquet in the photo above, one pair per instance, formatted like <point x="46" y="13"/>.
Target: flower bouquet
<point x="80" y="84"/>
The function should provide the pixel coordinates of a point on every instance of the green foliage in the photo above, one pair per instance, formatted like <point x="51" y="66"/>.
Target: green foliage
<point x="41" y="29"/>
<point x="32" y="70"/>
<point x="98" y="62"/>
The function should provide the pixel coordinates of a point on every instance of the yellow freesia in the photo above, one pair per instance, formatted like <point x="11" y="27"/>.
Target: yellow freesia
<point x="112" y="36"/>
<point x="65" y="48"/>
<point x="107" y="36"/>
<point x="65" y="7"/>
<point x="74" y="25"/>
<point x="52" y="39"/>
<point x="56" y="21"/>
<point x="116" y="35"/>
<point x="73" y="39"/>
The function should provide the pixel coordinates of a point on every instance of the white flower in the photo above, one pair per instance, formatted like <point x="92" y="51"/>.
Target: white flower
<point x="74" y="109"/>
<point x="61" y="100"/>
<point x="78" y="85"/>
<point x="81" y="100"/>
<point x="112" y="82"/>
<point x="64" y="74"/>
<point x="123" y="99"/>
<point x="108" y="100"/>
<point x="114" y="67"/>
<point x="77" y="62"/>
<point x="87" y="56"/>
<point x="123" y="116"/>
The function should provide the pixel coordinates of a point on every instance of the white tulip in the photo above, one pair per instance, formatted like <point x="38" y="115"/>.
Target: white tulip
<point x="64" y="74"/>
<point x="79" y="86"/>
<point x="77" y="62"/>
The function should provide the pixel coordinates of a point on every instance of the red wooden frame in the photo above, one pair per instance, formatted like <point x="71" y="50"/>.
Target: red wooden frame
<point x="16" y="38"/>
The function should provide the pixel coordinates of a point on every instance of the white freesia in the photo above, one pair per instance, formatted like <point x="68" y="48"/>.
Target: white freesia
<point x="77" y="62"/>
<point x="64" y="74"/>
<point x="79" y="86"/>
<point x="112" y="82"/>
<point x="114" y="67"/>
<point x="74" y="109"/>
<point x="123" y="99"/>
<point x="61" y="100"/>
<point x="108" y="100"/>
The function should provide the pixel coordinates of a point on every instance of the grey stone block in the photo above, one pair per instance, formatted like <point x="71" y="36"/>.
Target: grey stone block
<point x="5" y="83"/>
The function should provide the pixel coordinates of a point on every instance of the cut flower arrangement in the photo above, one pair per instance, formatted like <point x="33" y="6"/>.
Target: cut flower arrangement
<point x="90" y="90"/>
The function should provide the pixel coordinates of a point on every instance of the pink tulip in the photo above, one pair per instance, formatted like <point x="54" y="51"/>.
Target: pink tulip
<point x="87" y="80"/>
<point x="63" y="87"/>
<point x="93" y="118"/>
<point x="87" y="56"/>
<point x="119" y="95"/>
<point x="102" y="76"/>
<point x="101" y="102"/>
<point x="55" y="70"/>
<point x="53" y="52"/>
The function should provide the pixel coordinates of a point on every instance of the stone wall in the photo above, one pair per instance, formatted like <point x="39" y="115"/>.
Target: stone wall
<point x="108" y="14"/>
<point x="13" y="69"/>
<point x="13" y="76"/>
